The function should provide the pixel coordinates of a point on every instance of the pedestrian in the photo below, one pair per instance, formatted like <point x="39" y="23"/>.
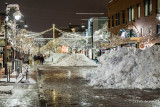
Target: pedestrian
<point x="38" y="59"/>
<point x="35" y="59"/>
<point x="26" y="60"/>
<point x="41" y="59"/>
<point x="30" y="59"/>
<point x="10" y="58"/>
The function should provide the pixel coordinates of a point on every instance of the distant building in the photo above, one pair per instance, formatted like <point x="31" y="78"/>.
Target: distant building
<point x="77" y="28"/>
<point x="95" y="24"/>
<point x="142" y="16"/>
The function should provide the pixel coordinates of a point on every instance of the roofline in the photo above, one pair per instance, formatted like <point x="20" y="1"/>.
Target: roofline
<point x="2" y="14"/>
<point x="112" y="2"/>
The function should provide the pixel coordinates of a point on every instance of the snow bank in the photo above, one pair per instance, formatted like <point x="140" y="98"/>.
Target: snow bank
<point x="76" y="60"/>
<point x="6" y="88"/>
<point x="101" y="34"/>
<point x="128" y="68"/>
<point x="56" y="57"/>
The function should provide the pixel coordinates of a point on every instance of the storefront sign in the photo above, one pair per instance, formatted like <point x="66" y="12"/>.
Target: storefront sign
<point x="64" y="49"/>
<point x="2" y="42"/>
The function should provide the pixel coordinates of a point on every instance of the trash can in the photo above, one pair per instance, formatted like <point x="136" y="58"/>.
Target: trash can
<point x="96" y="61"/>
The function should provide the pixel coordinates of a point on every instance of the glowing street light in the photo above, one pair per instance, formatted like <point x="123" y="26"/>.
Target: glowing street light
<point x="17" y="15"/>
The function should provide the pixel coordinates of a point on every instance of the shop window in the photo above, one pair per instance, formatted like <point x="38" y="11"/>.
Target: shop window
<point x="123" y="16"/>
<point x="158" y="29"/>
<point x="117" y="19"/>
<point x="138" y="11"/>
<point x="112" y="20"/>
<point x="131" y="13"/>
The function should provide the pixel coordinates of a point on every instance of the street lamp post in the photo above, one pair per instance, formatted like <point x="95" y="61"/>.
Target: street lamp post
<point x="92" y="38"/>
<point x="17" y="16"/>
<point x="5" y="49"/>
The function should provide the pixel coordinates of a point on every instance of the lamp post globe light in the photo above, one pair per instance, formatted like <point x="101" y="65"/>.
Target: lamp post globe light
<point x="17" y="15"/>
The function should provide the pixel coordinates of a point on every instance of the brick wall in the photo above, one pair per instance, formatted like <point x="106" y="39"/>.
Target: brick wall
<point x="145" y="25"/>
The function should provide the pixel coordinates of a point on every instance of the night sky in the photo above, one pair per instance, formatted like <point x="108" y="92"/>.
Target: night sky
<point x="41" y="14"/>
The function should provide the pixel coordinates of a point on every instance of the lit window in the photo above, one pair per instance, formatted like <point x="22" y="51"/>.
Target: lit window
<point x="158" y="29"/>
<point x="148" y="7"/>
<point x="131" y="13"/>
<point x="138" y="11"/>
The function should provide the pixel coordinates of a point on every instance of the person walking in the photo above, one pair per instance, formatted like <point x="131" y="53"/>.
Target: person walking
<point x="41" y="59"/>
<point x="30" y="59"/>
<point x="35" y="59"/>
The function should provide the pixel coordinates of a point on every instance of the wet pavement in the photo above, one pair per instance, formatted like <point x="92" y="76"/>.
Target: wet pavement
<point x="65" y="87"/>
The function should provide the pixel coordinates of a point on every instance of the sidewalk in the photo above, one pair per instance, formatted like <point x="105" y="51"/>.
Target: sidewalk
<point x="24" y="94"/>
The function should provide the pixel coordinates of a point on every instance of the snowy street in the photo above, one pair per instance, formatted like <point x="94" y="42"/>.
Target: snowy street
<point x="80" y="53"/>
<point x="66" y="87"/>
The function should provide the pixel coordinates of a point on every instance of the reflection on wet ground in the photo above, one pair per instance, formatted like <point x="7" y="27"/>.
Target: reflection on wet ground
<point x="65" y="87"/>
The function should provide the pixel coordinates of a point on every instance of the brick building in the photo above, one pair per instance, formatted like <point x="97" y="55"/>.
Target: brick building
<point x="143" y="16"/>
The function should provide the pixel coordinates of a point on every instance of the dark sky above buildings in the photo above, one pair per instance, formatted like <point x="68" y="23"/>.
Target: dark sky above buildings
<point x="41" y="14"/>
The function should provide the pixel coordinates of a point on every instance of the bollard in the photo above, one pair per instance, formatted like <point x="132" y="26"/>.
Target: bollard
<point x="17" y="72"/>
<point x="26" y="73"/>
<point x="9" y="75"/>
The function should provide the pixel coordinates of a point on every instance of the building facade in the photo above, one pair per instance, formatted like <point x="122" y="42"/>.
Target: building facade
<point x="2" y="16"/>
<point x="142" y="16"/>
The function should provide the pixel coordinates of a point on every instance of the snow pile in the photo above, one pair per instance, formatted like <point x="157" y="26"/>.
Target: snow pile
<point x="56" y="57"/>
<point x="101" y="34"/>
<point x="128" y="68"/>
<point x="5" y="89"/>
<point x="76" y="60"/>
